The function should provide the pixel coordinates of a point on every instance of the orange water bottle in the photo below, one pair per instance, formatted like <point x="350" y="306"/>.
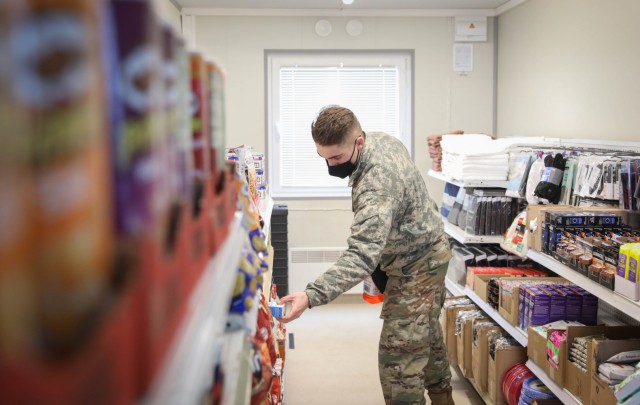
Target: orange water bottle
<point x="371" y="293"/>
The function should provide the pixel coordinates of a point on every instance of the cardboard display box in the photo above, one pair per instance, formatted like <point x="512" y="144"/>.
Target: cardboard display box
<point x="536" y="216"/>
<point x="504" y="359"/>
<point x="601" y="394"/>
<point x="480" y="356"/>
<point x="481" y="282"/>
<point x="509" y="300"/>
<point x="449" y="330"/>
<point x="573" y="378"/>
<point x="537" y="349"/>
<point x="465" y="341"/>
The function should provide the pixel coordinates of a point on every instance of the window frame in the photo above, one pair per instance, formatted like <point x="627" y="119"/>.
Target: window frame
<point x="275" y="59"/>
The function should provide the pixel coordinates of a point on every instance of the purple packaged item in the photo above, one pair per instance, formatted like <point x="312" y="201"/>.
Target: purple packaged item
<point x="558" y="304"/>
<point x="621" y="269"/>
<point x="137" y="138"/>
<point x="589" y="311"/>
<point x="573" y="303"/>
<point x="539" y="306"/>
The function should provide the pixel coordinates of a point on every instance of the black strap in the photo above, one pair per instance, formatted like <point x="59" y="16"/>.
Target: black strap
<point x="380" y="278"/>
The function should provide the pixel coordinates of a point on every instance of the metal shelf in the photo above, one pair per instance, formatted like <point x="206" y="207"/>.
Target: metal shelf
<point x="187" y="372"/>
<point x="453" y="287"/>
<point x="563" y="395"/>
<point x="463" y="237"/>
<point x="629" y="307"/>
<point x="473" y="183"/>
<point x="517" y="333"/>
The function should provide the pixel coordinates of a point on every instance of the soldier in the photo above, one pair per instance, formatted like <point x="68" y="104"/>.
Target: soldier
<point x="397" y="227"/>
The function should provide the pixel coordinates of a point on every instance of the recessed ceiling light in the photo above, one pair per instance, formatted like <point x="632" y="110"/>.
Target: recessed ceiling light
<point x="347" y="1"/>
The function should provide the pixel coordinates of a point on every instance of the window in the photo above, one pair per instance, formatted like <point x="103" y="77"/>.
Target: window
<point x="375" y="85"/>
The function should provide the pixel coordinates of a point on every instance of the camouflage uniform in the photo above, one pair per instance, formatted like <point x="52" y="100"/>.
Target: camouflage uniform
<point x="397" y="225"/>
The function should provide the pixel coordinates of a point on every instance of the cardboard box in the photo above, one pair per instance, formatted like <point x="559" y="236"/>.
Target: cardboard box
<point x="576" y="381"/>
<point x="473" y="271"/>
<point x="510" y="300"/>
<point x="536" y="217"/>
<point x="504" y="359"/>
<point x="480" y="356"/>
<point x="537" y="349"/>
<point x="601" y="394"/>
<point x="481" y="282"/>
<point x="443" y="313"/>
<point x="450" y="331"/>
<point x="465" y="341"/>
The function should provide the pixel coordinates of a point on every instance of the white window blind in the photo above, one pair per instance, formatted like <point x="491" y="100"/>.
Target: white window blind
<point x="375" y="87"/>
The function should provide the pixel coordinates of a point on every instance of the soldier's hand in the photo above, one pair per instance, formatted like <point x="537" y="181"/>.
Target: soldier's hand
<point x="299" y="303"/>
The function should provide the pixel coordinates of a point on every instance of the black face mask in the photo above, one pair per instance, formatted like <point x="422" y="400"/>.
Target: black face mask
<point x="344" y="169"/>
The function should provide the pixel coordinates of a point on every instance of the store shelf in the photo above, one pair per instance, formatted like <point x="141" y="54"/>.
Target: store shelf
<point x="463" y="237"/>
<point x="453" y="287"/>
<point x="483" y="395"/>
<point x="187" y="372"/>
<point x="478" y="183"/>
<point x="563" y="395"/>
<point x="630" y="308"/>
<point x="237" y="358"/>
<point x="517" y="333"/>
<point x="236" y="361"/>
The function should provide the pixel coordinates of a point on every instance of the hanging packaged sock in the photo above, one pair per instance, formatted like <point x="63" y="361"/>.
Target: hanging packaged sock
<point x="549" y="186"/>
<point x="535" y="175"/>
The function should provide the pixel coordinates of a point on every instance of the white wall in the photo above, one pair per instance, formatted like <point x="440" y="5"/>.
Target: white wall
<point x="443" y="100"/>
<point x="169" y="13"/>
<point x="569" y="68"/>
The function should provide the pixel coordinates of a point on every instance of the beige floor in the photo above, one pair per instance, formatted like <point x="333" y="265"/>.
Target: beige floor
<point x="334" y="360"/>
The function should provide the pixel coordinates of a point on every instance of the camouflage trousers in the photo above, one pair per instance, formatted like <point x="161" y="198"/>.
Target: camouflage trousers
<point x="412" y="356"/>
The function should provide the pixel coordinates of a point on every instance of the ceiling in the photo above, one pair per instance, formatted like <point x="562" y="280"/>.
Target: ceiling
<point x="485" y="7"/>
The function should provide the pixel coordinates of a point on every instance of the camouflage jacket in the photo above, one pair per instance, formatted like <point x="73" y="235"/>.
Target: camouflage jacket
<point x="395" y="224"/>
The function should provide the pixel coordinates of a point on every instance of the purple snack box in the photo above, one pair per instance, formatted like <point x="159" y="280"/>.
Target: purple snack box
<point x="540" y="306"/>
<point x="573" y="303"/>
<point x="589" y="312"/>
<point x="558" y="303"/>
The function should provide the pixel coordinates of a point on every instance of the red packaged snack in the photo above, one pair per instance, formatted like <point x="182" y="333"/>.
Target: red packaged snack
<point x="264" y="331"/>
<point x="262" y="374"/>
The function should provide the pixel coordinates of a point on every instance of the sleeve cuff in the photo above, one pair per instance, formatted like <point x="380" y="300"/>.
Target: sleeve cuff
<point x="313" y="298"/>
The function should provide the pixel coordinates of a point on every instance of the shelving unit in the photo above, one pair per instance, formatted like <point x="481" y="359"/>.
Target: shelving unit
<point x="620" y="303"/>
<point x="463" y="237"/>
<point x="188" y="370"/>
<point x="477" y="183"/>
<point x="630" y="308"/>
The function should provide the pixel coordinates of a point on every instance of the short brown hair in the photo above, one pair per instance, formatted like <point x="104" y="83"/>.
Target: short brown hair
<point x="333" y="124"/>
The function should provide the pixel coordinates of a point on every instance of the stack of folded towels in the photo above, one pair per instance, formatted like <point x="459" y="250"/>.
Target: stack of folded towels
<point x="435" y="149"/>
<point x="471" y="157"/>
